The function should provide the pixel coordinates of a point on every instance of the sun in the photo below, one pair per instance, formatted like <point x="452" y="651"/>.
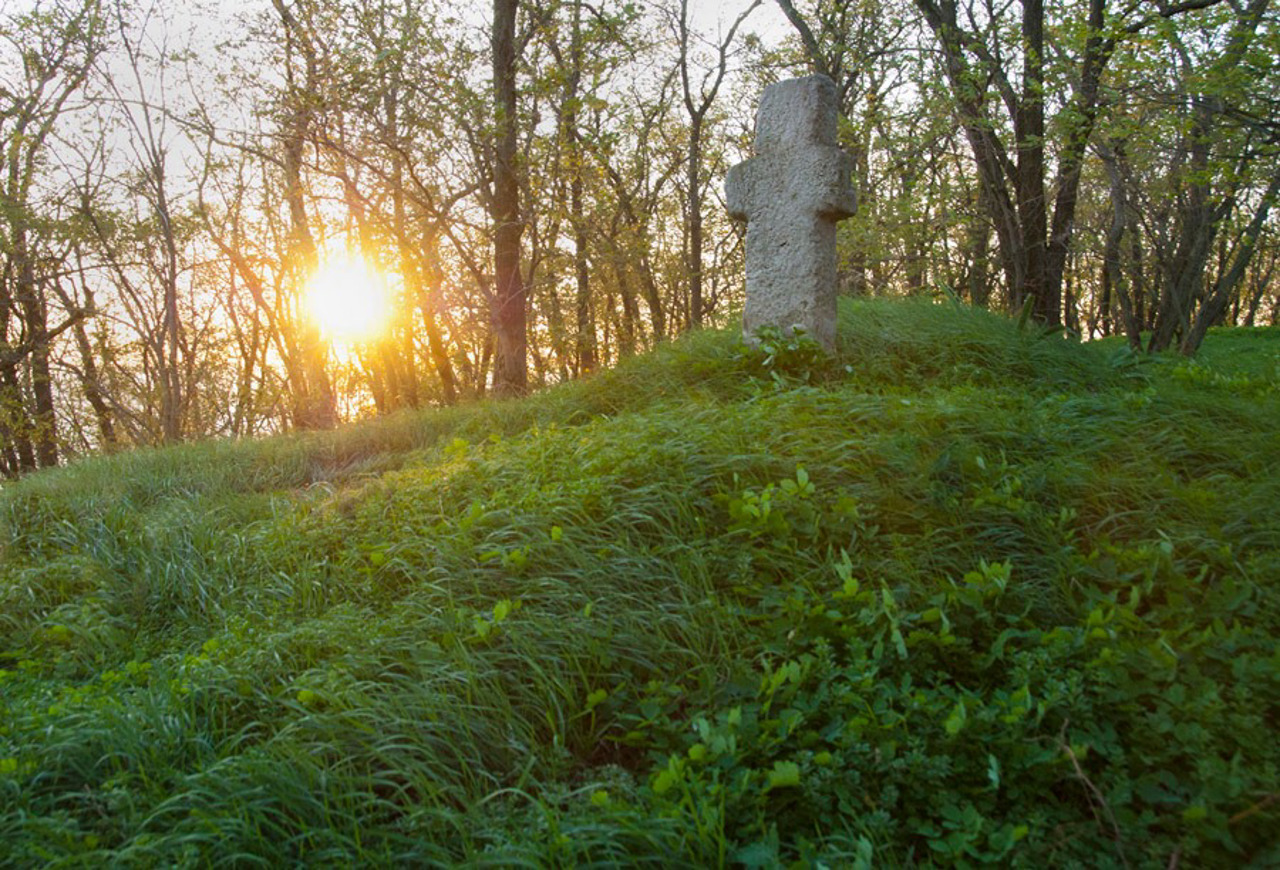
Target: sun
<point x="348" y="299"/>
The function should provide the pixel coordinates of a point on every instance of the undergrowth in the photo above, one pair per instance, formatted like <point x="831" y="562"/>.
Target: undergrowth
<point x="959" y="595"/>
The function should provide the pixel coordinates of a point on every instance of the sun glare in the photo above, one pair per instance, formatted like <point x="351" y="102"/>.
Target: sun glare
<point x="348" y="299"/>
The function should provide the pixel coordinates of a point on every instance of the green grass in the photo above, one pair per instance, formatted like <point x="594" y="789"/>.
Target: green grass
<point x="1254" y="351"/>
<point x="960" y="596"/>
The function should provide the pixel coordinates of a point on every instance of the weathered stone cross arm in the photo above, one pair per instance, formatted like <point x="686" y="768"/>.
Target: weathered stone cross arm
<point x="770" y="181"/>
<point x="791" y="194"/>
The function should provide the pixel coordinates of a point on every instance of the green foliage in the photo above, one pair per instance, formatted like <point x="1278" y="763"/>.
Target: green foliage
<point x="787" y="357"/>
<point x="968" y="597"/>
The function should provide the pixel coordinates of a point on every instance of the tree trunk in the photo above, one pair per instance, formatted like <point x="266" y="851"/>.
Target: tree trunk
<point x="22" y="454"/>
<point x="428" y="296"/>
<point x="1114" y="271"/>
<point x="1184" y="272"/>
<point x="35" y="320"/>
<point x="587" y="360"/>
<point x="1104" y="303"/>
<point x="572" y="150"/>
<point x="1032" y="222"/>
<point x="1216" y="300"/>
<point x="1071" y="162"/>
<point x="693" y="196"/>
<point x="979" y="286"/>
<point x="508" y="315"/>
<point x="91" y="383"/>
<point x="170" y="378"/>
<point x="314" y="403"/>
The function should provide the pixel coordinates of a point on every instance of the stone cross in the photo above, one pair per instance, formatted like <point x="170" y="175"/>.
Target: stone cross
<point x="791" y="194"/>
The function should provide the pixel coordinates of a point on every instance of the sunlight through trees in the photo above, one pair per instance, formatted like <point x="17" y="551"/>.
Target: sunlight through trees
<point x="544" y="182"/>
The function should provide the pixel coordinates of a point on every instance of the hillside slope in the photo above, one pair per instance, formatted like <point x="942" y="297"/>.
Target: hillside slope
<point x="963" y="595"/>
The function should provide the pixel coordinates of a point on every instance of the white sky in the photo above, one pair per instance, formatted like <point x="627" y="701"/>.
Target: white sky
<point x="767" y="21"/>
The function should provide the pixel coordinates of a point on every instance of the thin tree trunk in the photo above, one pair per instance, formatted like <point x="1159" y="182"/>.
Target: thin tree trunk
<point x="12" y="400"/>
<point x="1115" y="235"/>
<point x="428" y="295"/>
<point x="1071" y="162"/>
<point x="91" y="383"/>
<point x="1032" y="221"/>
<point x="1224" y="288"/>
<point x="315" y="405"/>
<point x="35" y="321"/>
<point x="693" y="196"/>
<point x="587" y="361"/>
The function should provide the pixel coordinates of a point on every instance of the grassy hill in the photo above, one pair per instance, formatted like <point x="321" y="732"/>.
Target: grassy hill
<point x="963" y="595"/>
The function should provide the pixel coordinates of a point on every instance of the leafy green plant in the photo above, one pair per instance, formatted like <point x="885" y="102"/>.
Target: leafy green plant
<point x="787" y="356"/>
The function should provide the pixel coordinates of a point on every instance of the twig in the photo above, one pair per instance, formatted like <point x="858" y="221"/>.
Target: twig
<point x="1256" y="808"/>
<point x="1096" y="797"/>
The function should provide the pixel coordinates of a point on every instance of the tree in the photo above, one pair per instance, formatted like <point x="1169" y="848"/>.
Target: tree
<point x="510" y="351"/>
<point x="314" y="401"/>
<point x="54" y="47"/>
<point x="147" y="136"/>
<point x="699" y="96"/>
<point x="1209" y="151"/>
<point x="1010" y="152"/>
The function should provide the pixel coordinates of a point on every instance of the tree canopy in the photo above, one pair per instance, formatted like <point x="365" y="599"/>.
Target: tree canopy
<point x="535" y="189"/>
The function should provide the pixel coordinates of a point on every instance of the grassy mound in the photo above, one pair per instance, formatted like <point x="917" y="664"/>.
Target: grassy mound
<point x="961" y="595"/>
